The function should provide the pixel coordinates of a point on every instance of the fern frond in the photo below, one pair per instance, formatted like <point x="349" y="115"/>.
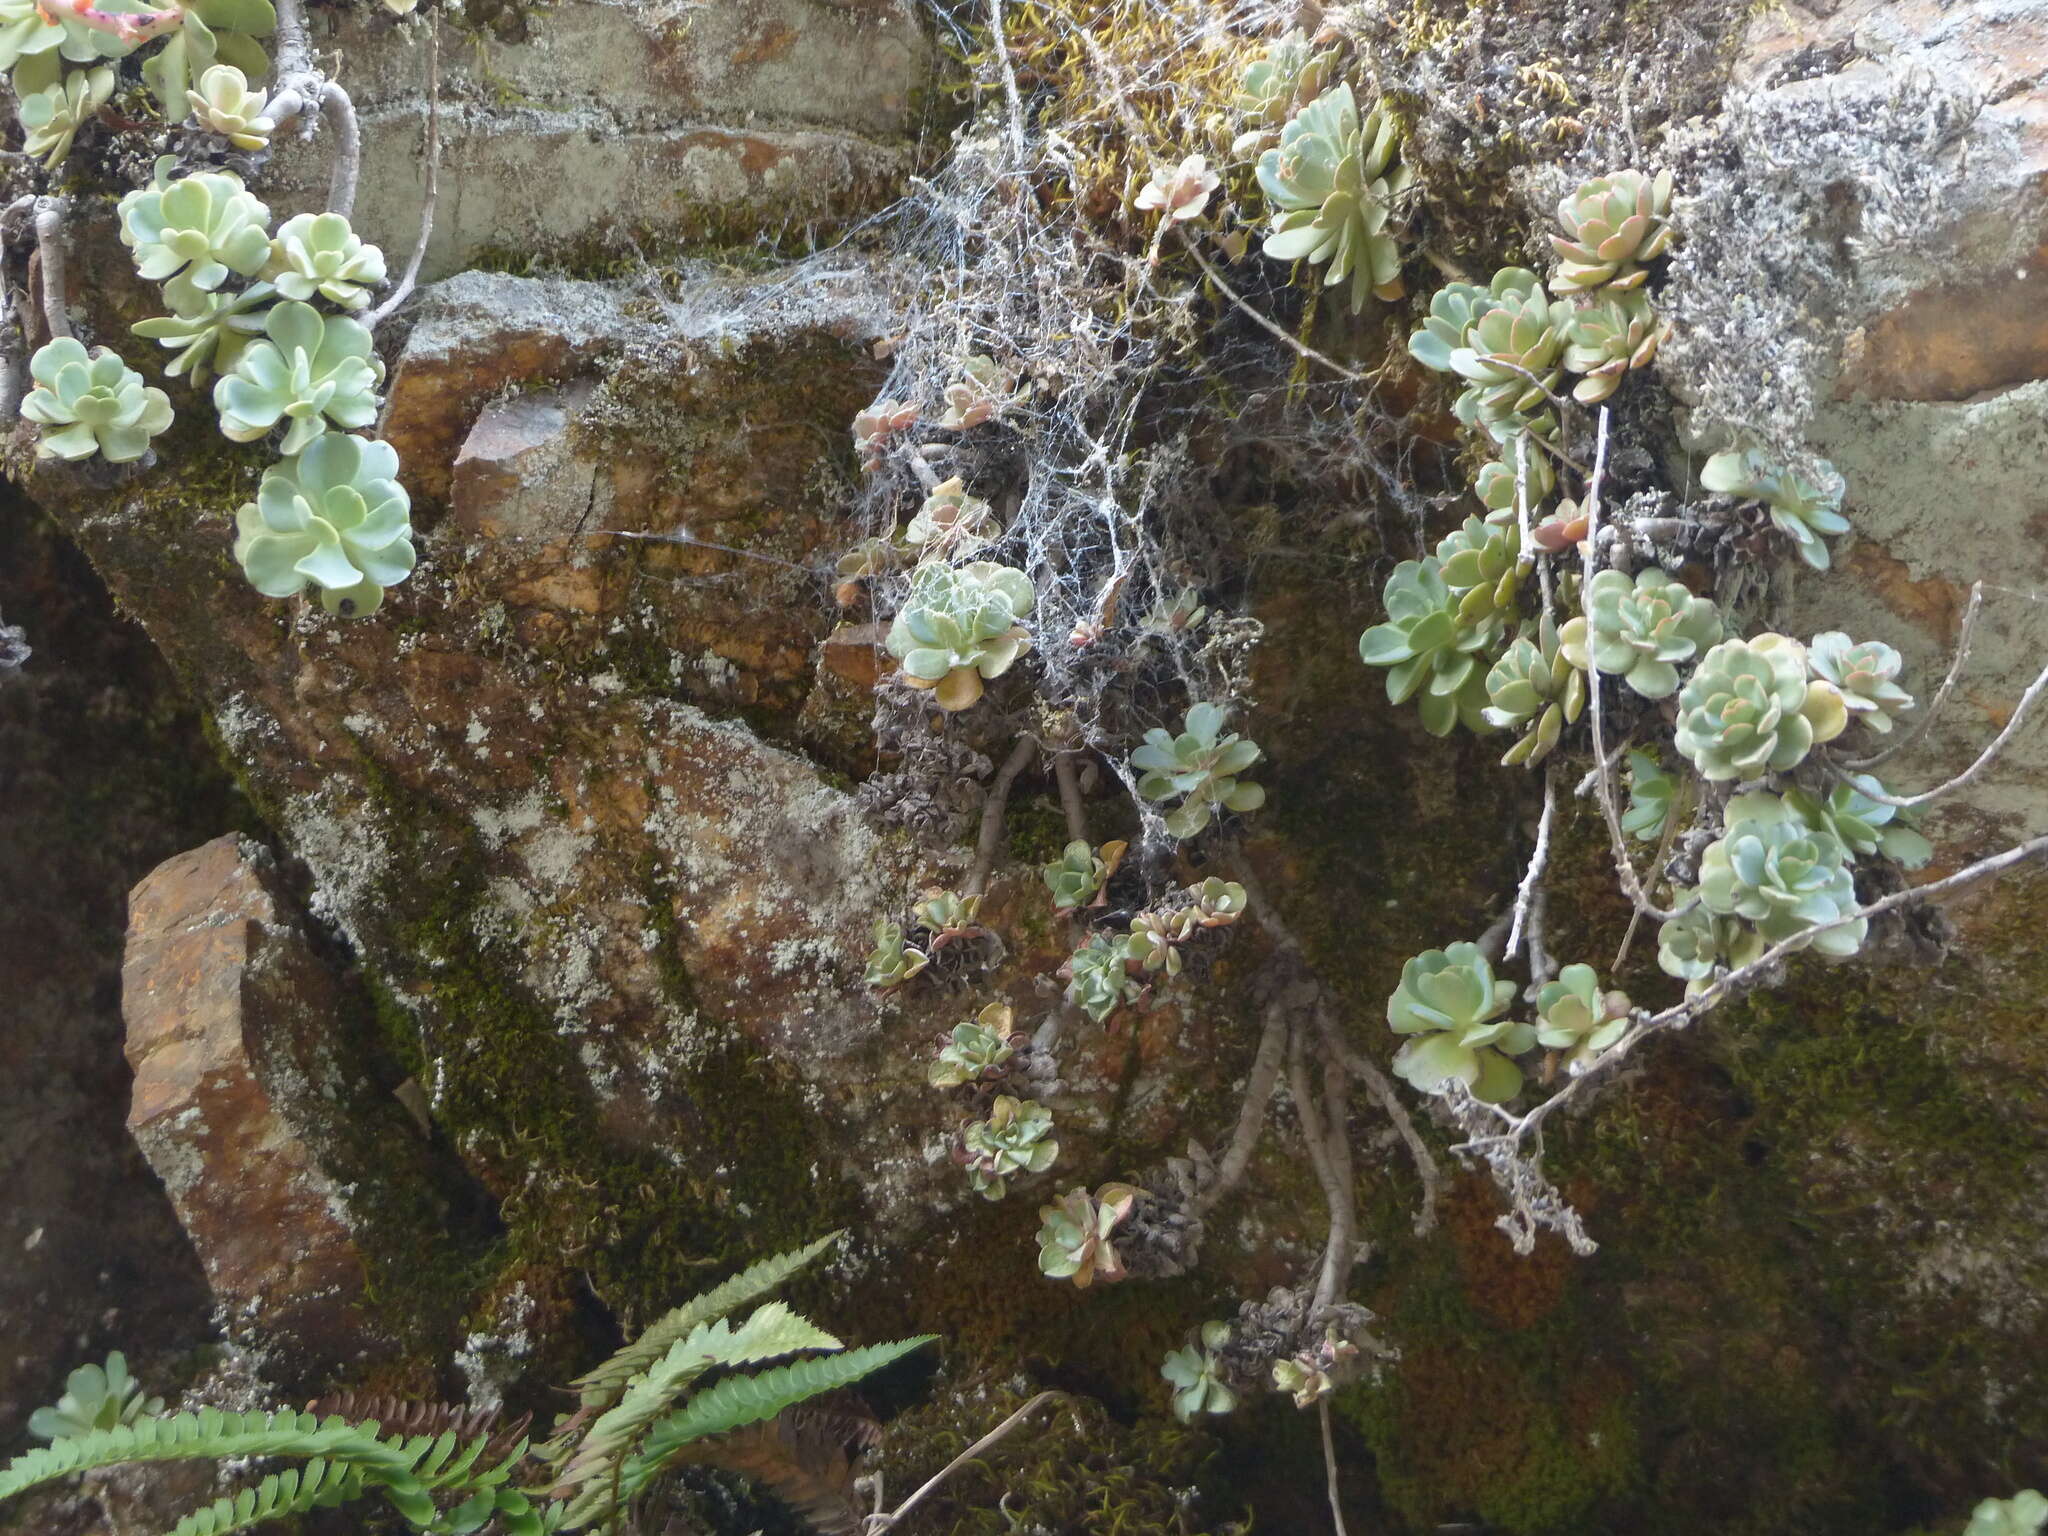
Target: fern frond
<point x="773" y="1330"/>
<point x="402" y="1416"/>
<point x="805" y="1458"/>
<point x="208" y="1435"/>
<point x="320" y="1485"/>
<point x="602" y="1386"/>
<point x="742" y="1400"/>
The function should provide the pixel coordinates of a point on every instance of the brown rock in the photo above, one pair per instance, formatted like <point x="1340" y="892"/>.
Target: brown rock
<point x="222" y="992"/>
<point x="518" y="475"/>
<point x="1954" y="342"/>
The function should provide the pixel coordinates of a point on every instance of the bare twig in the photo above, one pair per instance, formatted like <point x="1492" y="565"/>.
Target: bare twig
<point x="1383" y="1094"/>
<point x="410" y="276"/>
<point x="1623" y="865"/>
<point x="1984" y="759"/>
<point x="991" y="839"/>
<point x="340" y="113"/>
<point x="1948" y="685"/>
<point x="1070" y="796"/>
<point x="875" y="1524"/>
<point x="1272" y="327"/>
<point x="1011" y="96"/>
<point x="1330" y="1466"/>
<point x="1533" y="875"/>
<point x="50" y="246"/>
<point x="1251" y="1114"/>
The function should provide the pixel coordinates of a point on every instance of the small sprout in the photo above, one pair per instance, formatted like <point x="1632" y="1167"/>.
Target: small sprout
<point x="1287" y="72"/>
<point x="1483" y="564"/>
<point x="1800" y="510"/>
<point x="1495" y="486"/>
<point x="1201" y="766"/>
<point x="1637" y="630"/>
<point x="1864" y="675"/>
<point x="1691" y="945"/>
<point x="1616" y="332"/>
<point x="95" y="1397"/>
<point x="948" y="917"/>
<point x="1560" y="531"/>
<point x="1015" y="1138"/>
<point x="1331" y="182"/>
<point x="1450" y="1001"/>
<point x="224" y="104"/>
<point x="873" y="427"/>
<point x="1574" y="1016"/>
<point x="892" y="962"/>
<point x="311" y="370"/>
<point x="1098" y="976"/>
<point x="1784" y="877"/>
<point x="1077" y="878"/>
<point x="1749" y="709"/>
<point x="1184" y="612"/>
<point x="335" y="516"/>
<point x="976" y="1050"/>
<point x="978" y="395"/>
<point x="1218" y="903"/>
<point x="1181" y="193"/>
<point x="1196" y="1375"/>
<point x="1153" y="944"/>
<point x="211" y="335"/>
<point x="1861" y="824"/>
<point x="958" y="626"/>
<point x="52" y="114"/>
<point x="1429" y="652"/>
<point x="1534" y="688"/>
<point x="1074" y="1235"/>
<point x="951" y="523"/>
<point x="1613" y="225"/>
<point x="191" y="234"/>
<point x="96" y="403"/>
<point x="320" y="253"/>
<point x="1314" y="1374"/>
<point x="1650" y="792"/>
<point x="2024" y="1514"/>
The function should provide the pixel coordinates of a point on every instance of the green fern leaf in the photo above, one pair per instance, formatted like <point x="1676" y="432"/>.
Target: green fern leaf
<point x="320" y="1485"/>
<point x="740" y="1400"/>
<point x="602" y="1386"/>
<point x="208" y="1435"/>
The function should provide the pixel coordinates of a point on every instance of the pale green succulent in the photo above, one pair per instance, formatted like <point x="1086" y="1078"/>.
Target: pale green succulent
<point x="335" y="516"/>
<point x="96" y="403"/>
<point x="1496" y="481"/>
<point x="1453" y="310"/>
<point x="1616" y="332"/>
<point x="1510" y="354"/>
<point x="1613" y="225"/>
<point x="191" y="234"/>
<point x="1574" y="1016"/>
<point x="1750" y="709"/>
<point x="976" y="1049"/>
<point x="95" y="1397"/>
<point x="1331" y="183"/>
<point x="212" y="32"/>
<point x="1015" y="1138"/>
<point x="1800" y="510"/>
<point x="1450" y="1001"/>
<point x="318" y="253"/>
<point x="52" y="114"/>
<point x="1429" y="652"/>
<point x="1196" y="1375"/>
<point x="982" y="390"/>
<point x="1287" y="71"/>
<point x="892" y="962"/>
<point x="1200" y="767"/>
<point x="1312" y="1375"/>
<point x="28" y="30"/>
<point x="311" y="370"/>
<point x="1483" y="565"/>
<point x="947" y="916"/>
<point x="1534" y="688"/>
<point x="1650" y="794"/>
<point x="951" y="523"/>
<point x="2024" y="1514"/>
<point x="960" y="625"/>
<point x="1865" y="676"/>
<point x="1099" y="979"/>
<point x="1076" y="879"/>
<point x="1153" y="944"/>
<point x="1218" y="903"/>
<point x="1638" y="630"/>
<point x="1692" y="944"/>
<point x="211" y="335"/>
<point x="1172" y="616"/>
<point x="1781" y="875"/>
<point x="223" y="103"/>
<point x="1861" y="824"/>
<point x="1074" y="1235"/>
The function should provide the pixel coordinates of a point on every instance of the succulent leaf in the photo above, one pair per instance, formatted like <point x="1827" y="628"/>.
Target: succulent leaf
<point x="95" y="403"/>
<point x="335" y="516"/>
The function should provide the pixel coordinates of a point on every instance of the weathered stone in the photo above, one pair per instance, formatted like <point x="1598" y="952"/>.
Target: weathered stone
<point x="518" y="476"/>
<point x="226" y="1004"/>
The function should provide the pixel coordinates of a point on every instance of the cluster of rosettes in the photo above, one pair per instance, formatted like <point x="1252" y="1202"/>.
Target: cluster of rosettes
<point x="1111" y="970"/>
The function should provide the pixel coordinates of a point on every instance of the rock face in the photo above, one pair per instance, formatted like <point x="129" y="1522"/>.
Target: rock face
<point x="227" y="1006"/>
